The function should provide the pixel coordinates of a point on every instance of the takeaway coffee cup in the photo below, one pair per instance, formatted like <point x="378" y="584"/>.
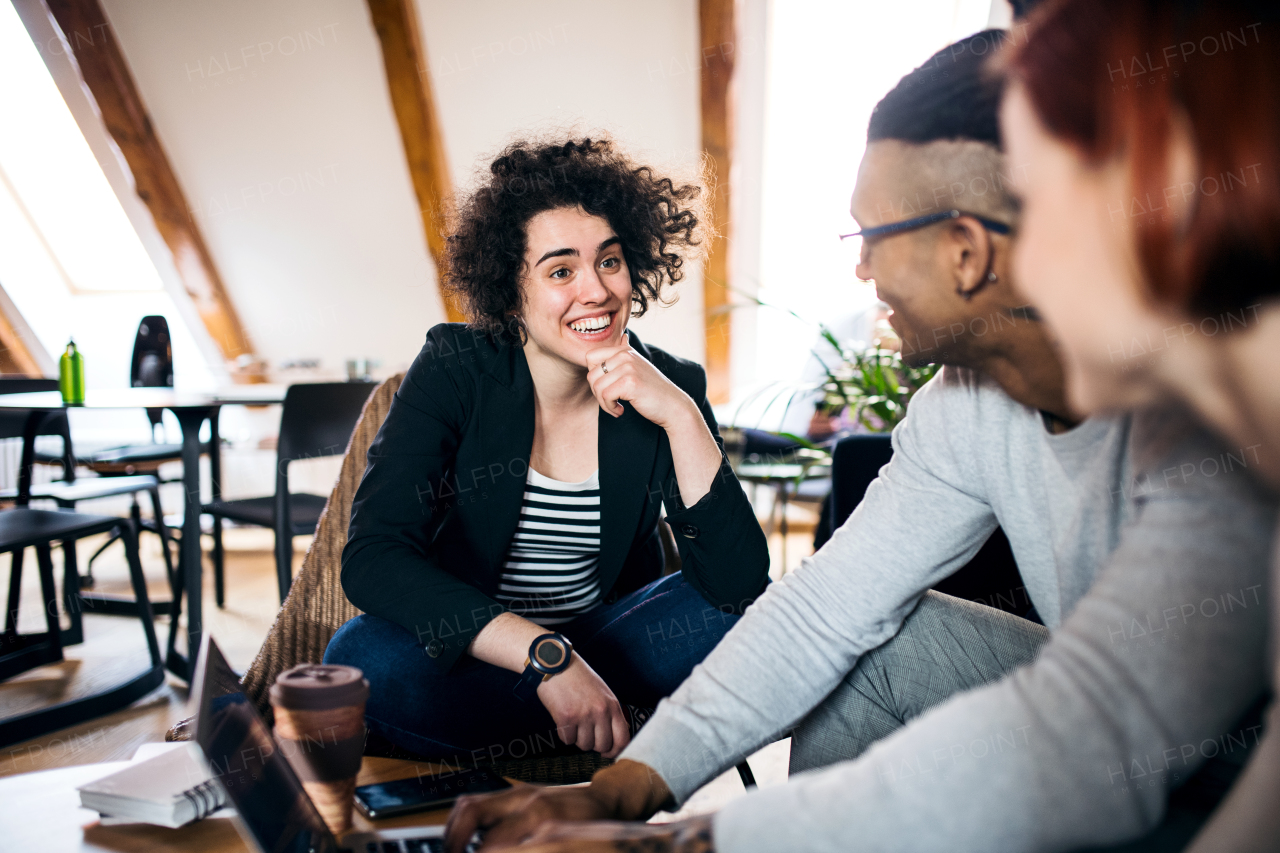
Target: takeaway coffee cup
<point x="319" y="712"/>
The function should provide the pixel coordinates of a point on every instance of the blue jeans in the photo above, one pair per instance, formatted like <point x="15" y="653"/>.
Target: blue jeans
<point x="643" y="646"/>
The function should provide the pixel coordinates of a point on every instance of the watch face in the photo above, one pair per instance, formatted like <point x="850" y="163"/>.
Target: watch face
<point x="549" y="653"/>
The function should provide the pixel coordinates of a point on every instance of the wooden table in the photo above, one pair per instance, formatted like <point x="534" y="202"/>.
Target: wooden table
<point x="41" y="812"/>
<point x="192" y="409"/>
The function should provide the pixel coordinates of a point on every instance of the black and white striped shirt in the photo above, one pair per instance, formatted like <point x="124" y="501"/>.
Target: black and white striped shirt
<point x="551" y="573"/>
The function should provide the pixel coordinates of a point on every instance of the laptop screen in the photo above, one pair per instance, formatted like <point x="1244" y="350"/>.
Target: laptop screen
<point x="258" y="780"/>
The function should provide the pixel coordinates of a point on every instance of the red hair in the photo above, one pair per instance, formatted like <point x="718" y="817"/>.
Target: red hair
<point x="1109" y="78"/>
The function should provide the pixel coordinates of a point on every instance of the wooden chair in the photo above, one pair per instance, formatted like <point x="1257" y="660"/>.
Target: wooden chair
<point x="316" y="608"/>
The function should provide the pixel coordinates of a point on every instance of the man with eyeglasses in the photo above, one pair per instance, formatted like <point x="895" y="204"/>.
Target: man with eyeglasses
<point x="865" y="667"/>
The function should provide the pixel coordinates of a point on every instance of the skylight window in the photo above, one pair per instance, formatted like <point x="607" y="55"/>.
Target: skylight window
<point x="71" y="258"/>
<point x="55" y="199"/>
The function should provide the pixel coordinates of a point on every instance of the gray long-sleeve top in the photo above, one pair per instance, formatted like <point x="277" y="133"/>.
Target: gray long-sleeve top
<point x="1142" y="543"/>
<point x="1248" y="821"/>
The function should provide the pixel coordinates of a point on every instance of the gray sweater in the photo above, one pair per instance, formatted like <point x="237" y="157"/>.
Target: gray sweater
<point x="1142" y="543"/>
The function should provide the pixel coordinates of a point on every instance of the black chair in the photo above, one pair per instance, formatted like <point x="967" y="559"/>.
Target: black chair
<point x="67" y="494"/>
<point x="990" y="578"/>
<point x="70" y="490"/>
<point x="13" y="422"/>
<point x="151" y="367"/>
<point x="856" y="460"/>
<point x="317" y="421"/>
<point x="22" y="528"/>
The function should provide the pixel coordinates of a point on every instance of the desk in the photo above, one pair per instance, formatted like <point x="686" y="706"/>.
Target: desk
<point x="192" y="410"/>
<point x="42" y="813"/>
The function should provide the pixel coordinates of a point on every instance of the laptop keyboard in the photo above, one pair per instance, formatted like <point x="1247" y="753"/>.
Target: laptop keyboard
<point x="408" y="845"/>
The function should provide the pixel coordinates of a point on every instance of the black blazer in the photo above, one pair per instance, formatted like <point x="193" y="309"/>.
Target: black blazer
<point x="440" y="500"/>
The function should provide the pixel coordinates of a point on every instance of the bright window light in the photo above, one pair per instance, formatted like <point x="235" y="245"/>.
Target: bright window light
<point x="830" y="62"/>
<point x="55" y="184"/>
<point x="70" y="258"/>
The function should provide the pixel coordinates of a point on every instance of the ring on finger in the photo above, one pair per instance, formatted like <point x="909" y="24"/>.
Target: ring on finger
<point x="604" y="367"/>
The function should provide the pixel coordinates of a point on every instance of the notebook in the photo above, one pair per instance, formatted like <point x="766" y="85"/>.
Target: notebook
<point x="167" y="787"/>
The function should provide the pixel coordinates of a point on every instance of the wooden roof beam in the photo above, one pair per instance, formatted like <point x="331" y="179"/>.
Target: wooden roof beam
<point x="15" y="356"/>
<point x="405" y="60"/>
<point x="717" y="37"/>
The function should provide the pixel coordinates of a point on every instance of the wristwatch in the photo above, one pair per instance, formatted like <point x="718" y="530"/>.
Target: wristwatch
<point x="549" y="654"/>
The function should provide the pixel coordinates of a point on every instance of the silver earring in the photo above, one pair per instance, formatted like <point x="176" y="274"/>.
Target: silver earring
<point x="992" y="277"/>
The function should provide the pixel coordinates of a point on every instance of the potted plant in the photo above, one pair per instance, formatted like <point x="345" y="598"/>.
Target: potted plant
<point x="871" y="385"/>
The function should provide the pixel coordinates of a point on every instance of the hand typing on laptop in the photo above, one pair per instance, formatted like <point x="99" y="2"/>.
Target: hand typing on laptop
<point x="600" y="816"/>
<point x="685" y="836"/>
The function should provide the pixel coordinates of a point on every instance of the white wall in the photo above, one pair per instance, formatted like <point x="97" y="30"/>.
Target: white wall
<point x="505" y="68"/>
<point x="277" y="121"/>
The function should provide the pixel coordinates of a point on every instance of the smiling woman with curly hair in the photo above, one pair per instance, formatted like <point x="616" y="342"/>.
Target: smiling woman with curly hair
<point x="657" y="223"/>
<point x="504" y="542"/>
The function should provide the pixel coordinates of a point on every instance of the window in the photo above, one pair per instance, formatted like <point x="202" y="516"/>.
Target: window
<point x="70" y="259"/>
<point x="830" y="61"/>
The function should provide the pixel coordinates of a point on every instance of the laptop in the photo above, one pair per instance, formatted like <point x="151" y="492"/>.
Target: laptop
<point x="274" y="813"/>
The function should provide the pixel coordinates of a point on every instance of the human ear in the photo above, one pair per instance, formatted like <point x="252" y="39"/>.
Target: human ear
<point x="969" y="252"/>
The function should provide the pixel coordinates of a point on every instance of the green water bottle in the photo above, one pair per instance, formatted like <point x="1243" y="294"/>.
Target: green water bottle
<point x="71" y="375"/>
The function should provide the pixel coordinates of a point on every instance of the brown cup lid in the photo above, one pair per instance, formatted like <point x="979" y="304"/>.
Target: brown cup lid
<point x="319" y="687"/>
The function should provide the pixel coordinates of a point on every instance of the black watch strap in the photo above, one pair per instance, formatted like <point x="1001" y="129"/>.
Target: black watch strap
<point x="526" y="689"/>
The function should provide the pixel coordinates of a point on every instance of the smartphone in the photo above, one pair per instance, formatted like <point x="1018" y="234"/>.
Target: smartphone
<point x="419" y="793"/>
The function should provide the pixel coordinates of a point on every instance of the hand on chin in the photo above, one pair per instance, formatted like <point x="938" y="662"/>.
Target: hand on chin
<point x="620" y="373"/>
<point x="596" y="350"/>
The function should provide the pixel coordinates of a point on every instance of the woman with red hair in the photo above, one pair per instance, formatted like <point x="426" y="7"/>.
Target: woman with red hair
<point x="1150" y="240"/>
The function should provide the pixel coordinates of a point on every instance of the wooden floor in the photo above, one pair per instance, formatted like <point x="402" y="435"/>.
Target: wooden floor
<point x="114" y="646"/>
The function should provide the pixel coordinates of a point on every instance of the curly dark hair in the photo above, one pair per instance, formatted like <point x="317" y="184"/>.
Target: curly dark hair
<point x="656" y="220"/>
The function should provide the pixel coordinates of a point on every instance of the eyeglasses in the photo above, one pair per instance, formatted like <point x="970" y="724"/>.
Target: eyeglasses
<point x="922" y="221"/>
